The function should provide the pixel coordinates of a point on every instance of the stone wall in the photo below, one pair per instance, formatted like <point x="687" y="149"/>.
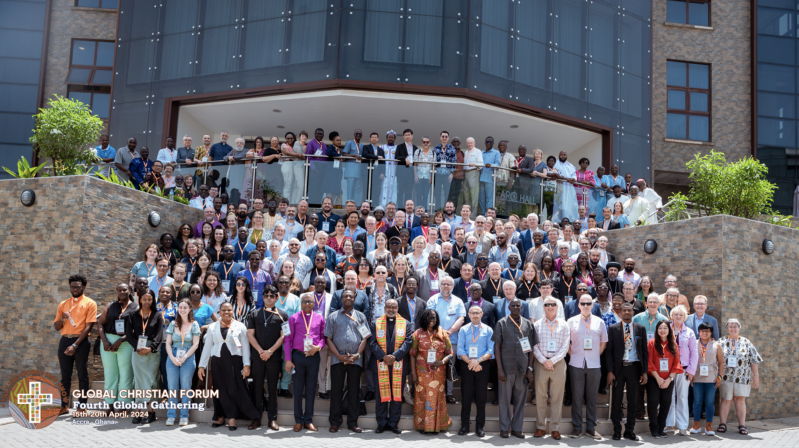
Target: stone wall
<point x="727" y="48"/>
<point x="78" y="224"/>
<point x="721" y="257"/>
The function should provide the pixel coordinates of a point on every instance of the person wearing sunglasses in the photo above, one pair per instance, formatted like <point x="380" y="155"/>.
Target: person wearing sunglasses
<point x="588" y="336"/>
<point x="550" y="366"/>
<point x="242" y="300"/>
<point x="319" y="270"/>
<point x="470" y="254"/>
<point x="228" y="270"/>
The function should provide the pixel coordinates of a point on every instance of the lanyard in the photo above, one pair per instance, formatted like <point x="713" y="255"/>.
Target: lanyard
<point x="547" y="277"/>
<point x="161" y="283"/>
<point x="587" y="325"/>
<point x="239" y="308"/>
<point x="227" y="270"/>
<point x="433" y="277"/>
<point x="307" y="323"/>
<point x="123" y="309"/>
<point x="149" y="268"/>
<point x="481" y="273"/>
<point x="475" y="338"/>
<point x="276" y="313"/>
<point x="318" y="298"/>
<point x="144" y="322"/>
<point x="529" y="288"/>
<point x="182" y="335"/>
<point x="412" y="308"/>
<point x="703" y="349"/>
<point x="401" y="285"/>
<point x="519" y="325"/>
<point x="241" y="249"/>
<point x="445" y="266"/>
<point x="496" y="287"/>
<point x="552" y="330"/>
<point x="652" y="319"/>
<point x="568" y="285"/>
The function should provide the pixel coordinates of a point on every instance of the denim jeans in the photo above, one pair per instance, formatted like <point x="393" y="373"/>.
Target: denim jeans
<point x="704" y="393"/>
<point x="179" y="379"/>
<point x="486" y="196"/>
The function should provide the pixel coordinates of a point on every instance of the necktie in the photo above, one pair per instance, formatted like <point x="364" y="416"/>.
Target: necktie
<point x="628" y="341"/>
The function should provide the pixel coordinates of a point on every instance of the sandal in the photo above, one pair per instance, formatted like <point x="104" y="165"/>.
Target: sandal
<point x="722" y="428"/>
<point x="742" y="430"/>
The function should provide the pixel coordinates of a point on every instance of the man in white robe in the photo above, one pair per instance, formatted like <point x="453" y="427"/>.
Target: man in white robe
<point x="654" y="200"/>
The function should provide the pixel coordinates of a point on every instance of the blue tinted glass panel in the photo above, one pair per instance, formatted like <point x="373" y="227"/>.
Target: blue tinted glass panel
<point x="307" y="42"/>
<point x="22" y="15"/>
<point x="16" y="127"/>
<point x="699" y="13"/>
<point x="451" y="68"/>
<point x="569" y="30"/>
<point x="218" y="50"/>
<point x="176" y="56"/>
<point x="775" y="22"/>
<point x="676" y="74"/>
<point x="777" y="50"/>
<point x="699" y="128"/>
<point x="105" y="54"/>
<point x="383" y="40"/>
<point x="89" y="3"/>
<point x="138" y="19"/>
<point x="530" y="68"/>
<point x="634" y="46"/>
<point x="17" y="98"/>
<point x="79" y="76"/>
<point x="392" y="6"/>
<point x="635" y="94"/>
<point x="263" y="43"/>
<point x="496" y="14"/>
<point x="83" y="97"/>
<point x="676" y="11"/>
<point x="603" y="35"/>
<point x="676" y="99"/>
<point x="699" y="76"/>
<point x="265" y="9"/>
<point x="83" y="52"/>
<point x="676" y="126"/>
<point x="776" y="78"/>
<point x="785" y="4"/>
<point x="178" y="16"/>
<point x="102" y="77"/>
<point x="496" y="52"/>
<point x="308" y="6"/>
<point x="532" y="19"/>
<point x="600" y="85"/>
<point x="569" y="71"/>
<point x="699" y="102"/>
<point x="366" y="52"/>
<point x="215" y="13"/>
<point x="20" y="44"/>
<point x="20" y="71"/>
<point x="101" y="103"/>
<point x="110" y="4"/>
<point x="776" y="132"/>
<point x="637" y="7"/>
<point x="423" y="37"/>
<point x="776" y="105"/>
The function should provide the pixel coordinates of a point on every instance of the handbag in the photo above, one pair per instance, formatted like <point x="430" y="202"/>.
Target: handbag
<point x="452" y="371"/>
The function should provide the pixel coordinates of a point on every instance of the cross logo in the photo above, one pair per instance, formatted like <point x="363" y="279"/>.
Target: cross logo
<point x="35" y="400"/>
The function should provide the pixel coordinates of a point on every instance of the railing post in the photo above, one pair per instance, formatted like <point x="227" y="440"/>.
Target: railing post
<point x="493" y="189"/>
<point x="432" y="198"/>
<point x="370" y="173"/>
<point x="541" y="200"/>
<point x="254" y="179"/>
<point x="305" y="181"/>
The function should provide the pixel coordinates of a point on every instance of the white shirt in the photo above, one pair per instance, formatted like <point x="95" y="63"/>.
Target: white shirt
<point x="164" y="156"/>
<point x="613" y="200"/>
<point x="655" y="202"/>
<point x="475" y="156"/>
<point x="635" y="209"/>
<point x="201" y="203"/>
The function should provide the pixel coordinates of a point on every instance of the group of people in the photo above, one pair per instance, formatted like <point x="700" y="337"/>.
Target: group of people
<point x="249" y="303"/>
<point x="402" y="171"/>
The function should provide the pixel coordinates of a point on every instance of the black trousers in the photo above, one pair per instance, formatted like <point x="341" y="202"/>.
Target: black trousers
<point x="304" y="379"/>
<point x="658" y="397"/>
<point x="80" y="361"/>
<point x="271" y="371"/>
<point x="628" y="378"/>
<point x="388" y="413"/>
<point x="567" y="391"/>
<point x="474" y="387"/>
<point x="339" y="374"/>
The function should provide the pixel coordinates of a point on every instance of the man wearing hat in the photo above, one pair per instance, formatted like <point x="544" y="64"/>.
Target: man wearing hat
<point x="614" y="283"/>
<point x="654" y="200"/>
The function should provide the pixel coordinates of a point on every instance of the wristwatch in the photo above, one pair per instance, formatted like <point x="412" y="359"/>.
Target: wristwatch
<point x="529" y="368"/>
<point x="74" y="346"/>
<point x="269" y="351"/>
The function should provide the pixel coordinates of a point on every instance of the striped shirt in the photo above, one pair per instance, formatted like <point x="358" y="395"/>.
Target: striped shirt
<point x="544" y="329"/>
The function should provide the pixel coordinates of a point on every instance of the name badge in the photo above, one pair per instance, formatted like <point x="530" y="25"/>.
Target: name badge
<point x="496" y="299"/>
<point x="732" y="361"/>
<point x="525" y="344"/>
<point x="336" y="163"/>
<point x="205" y="159"/>
<point x="255" y="295"/>
<point x="119" y="326"/>
<point x="569" y="298"/>
<point x="237" y="341"/>
<point x="379" y="310"/>
<point x="664" y="364"/>
<point x="180" y="353"/>
<point x="307" y="343"/>
<point x="588" y="344"/>
<point x="602" y="193"/>
<point x="552" y="345"/>
<point x="325" y="226"/>
<point x="226" y="285"/>
<point x="650" y="336"/>
<point x="703" y="370"/>
<point x="431" y="356"/>
<point x="365" y="333"/>
<point x="473" y="352"/>
<point x="142" y="343"/>
<point x="434" y="285"/>
<point x="479" y="248"/>
<point x="241" y="264"/>
<point x="451" y="310"/>
<point x="286" y="329"/>
<point x="318" y="152"/>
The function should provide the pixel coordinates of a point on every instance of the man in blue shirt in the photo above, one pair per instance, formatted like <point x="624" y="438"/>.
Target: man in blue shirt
<point x="106" y="153"/>
<point x="353" y="170"/>
<point x="141" y="167"/>
<point x="452" y="314"/>
<point x="327" y="219"/>
<point x="475" y="350"/>
<point x="492" y="159"/>
<point x="221" y="149"/>
<point x="445" y="153"/>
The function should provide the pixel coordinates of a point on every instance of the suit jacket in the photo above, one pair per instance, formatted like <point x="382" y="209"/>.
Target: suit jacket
<point x="392" y="231"/>
<point x="362" y="238"/>
<point x="416" y="230"/>
<point x="572" y="309"/>
<point x="402" y="152"/>
<point x="526" y="241"/>
<point x="405" y="310"/>
<point x="453" y="268"/>
<point x="459" y="290"/>
<point x="424" y="283"/>
<point x="372" y="153"/>
<point x="489" y="317"/>
<point x="400" y="352"/>
<point x="499" y="310"/>
<point x="416" y="223"/>
<point x="488" y="289"/>
<point x="692" y="323"/>
<point x="527" y="165"/>
<point x="613" y="225"/>
<point x="614" y="351"/>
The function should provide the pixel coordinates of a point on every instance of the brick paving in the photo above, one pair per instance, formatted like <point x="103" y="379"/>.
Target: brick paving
<point x="65" y="432"/>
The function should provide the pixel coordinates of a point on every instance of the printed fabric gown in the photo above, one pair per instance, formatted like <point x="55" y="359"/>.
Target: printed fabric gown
<point x="430" y="402"/>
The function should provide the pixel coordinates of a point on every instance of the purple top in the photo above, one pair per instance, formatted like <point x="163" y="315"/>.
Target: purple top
<point x="198" y="228"/>
<point x="689" y="355"/>
<point x="312" y="147"/>
<point x="296" y="339"/>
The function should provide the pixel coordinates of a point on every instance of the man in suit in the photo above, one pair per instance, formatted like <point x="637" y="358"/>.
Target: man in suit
<point x="411" y="306"/>
<point x="607" y="223"/>
<point x="390" y="348"/>
<point x="369" y="238"/>
<point x="572" y="308"/>
<point x="422" y="228"/>
<point x="399" y="224"/>
<point x="463" y="284"/>
<point x="411" y="220"/>
<point x="373" y="152"/>
<point x="489" y="317"/>
<point x="526" y="237"/>
<point x="626" y="355"/>
<point x="429" y="282"/>
<point x="525" y="164"/>
<point x="696" y="319"/>
<point x="501" y="307"/>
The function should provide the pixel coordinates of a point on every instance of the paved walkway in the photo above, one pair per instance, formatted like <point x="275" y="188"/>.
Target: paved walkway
<point x="66" y="433"/>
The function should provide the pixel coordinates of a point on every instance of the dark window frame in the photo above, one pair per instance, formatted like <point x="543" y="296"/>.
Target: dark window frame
<point x="115" y="8"/>
<point x="92" y="90"/>
<point x="688" y="11"/>
<point x="688" y="89"/>
<point x="94" y="67"/>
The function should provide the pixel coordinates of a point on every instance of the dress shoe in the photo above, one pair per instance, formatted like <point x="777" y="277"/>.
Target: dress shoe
<point x="136" y="420"/>
<point x="479" y="432"/>
<point x="369" y="396"/>
<point x="254" y="425"/>
<point x="662" y="435"/>
<point x="594" y="435"/>
<point x="616" y="435"/>
<point x="298" y="427"/>
<point x="150" y="417"/>
<point x="324" y="396"/>
<point x="539" y="433"/>
<point x="395" y="430"/>
<point x="355" y="429"/>
<point x="518" y="434"/>
<point x="629" y="435"/>
<point x="310" y="427"/>
<point x="576" y="433"/>
<point x="274" y="426"/>
<point x="333" y="429"/>
<point x="232" y="428"/>
<point x="556" y="435"/>
<point x="463" y="431"/>
<point x="503" y="434"/>
<point x="450" y="399"/>
<point x="380" y="429"/>
<point x="216" y="424"/>
<point x="287" y="393"/>
<point x="640" y="416"/>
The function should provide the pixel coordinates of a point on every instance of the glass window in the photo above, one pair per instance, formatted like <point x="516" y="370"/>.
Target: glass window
<point x="775" y="22"/>
<point x="105" y="4"/>
<point x="785" y="4"/>
<point x="83" y="97"/>
<point x="676" y="11"/>
<point x="776" y="132"/>
<point x="568" y="26"/>
<point x="79" y="76"/>
<point x="776" y="78"/>
<point x="98" y="102"/>
<point x="777" y="50"/>
<point x="688" y="106"/>
<point x="307" y="41"/>
<point x="83" y="52"/>
<point x="102" y="77"/>
<point x="105" y="54"/>
<point x="776" y="105"/>
<point x="694" y="12"/>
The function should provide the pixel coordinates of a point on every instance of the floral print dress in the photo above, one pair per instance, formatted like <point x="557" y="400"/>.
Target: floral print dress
<point x="430" y="403"/>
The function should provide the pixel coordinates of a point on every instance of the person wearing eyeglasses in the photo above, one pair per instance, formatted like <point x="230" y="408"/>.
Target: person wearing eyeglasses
<point x="265" y="335"/>
<point x="320" y="270"/>
<point x="588" y="336"/>
<point x="671" y="282"/>
<point x="475" y="349"/>
<point x="228" y="270"/>
<point x="470" y="254"/>
<point x="302" y="264"/>
<point x="550" y="367"/>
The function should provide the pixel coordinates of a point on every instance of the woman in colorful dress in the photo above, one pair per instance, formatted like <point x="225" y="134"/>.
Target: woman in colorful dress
<point x="585" y="176"/>
<point x="430" y="353"/>
<point x="740" y="374"/>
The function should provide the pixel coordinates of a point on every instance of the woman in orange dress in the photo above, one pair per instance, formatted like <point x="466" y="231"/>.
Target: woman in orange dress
<point x="430" y="378"/>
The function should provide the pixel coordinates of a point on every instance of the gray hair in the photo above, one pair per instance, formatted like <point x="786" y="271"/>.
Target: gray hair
<point x="677" y="291"/>
<point x="733" y="321"/>
<point x="187" y="136"/>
